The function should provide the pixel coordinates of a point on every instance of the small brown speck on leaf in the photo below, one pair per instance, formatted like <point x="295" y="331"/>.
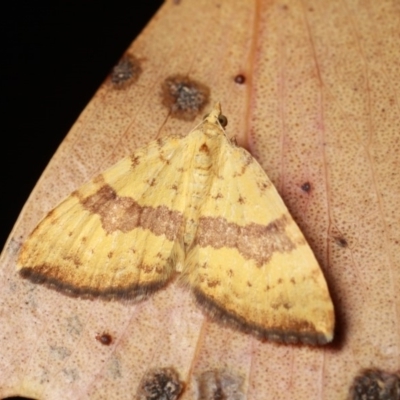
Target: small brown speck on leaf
<point x="306" y="187"/>
<point x="160" y="383"/>
<point x="184" y="97"/>
<point x="375" y="384"/>
<point x="126" y="72"/>
<point x="240" y="79"/>
<point x="341" y="241"/>
<point x="104" y="338"/>
<point x="220" y="385"/>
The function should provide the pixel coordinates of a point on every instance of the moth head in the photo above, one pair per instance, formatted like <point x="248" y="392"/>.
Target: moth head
<point x="215" y="116"/>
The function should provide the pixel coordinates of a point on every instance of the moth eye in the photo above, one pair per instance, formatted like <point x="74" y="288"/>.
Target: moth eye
<point x="223" y="120"/>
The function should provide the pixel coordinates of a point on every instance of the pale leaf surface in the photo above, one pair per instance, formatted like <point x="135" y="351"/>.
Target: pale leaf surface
<point x="319" y="110"/>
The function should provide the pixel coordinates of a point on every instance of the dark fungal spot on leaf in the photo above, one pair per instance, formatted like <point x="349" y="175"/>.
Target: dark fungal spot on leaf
<point x="375" y="384"/>
<point x="240" y="79"/>
<point x="184" y="97"/>
<point x="126" y="72"/>
<point x="306" y="187"/>
<point x="160" y="383"/>
<point x="220" y="385"/>
<point x="104" y="338"/>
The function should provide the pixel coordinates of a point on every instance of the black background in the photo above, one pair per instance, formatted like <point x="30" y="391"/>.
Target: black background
<point x="54" y="58"/>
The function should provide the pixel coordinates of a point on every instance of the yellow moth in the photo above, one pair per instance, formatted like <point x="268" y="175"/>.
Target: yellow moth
<point x="198" y="206"/>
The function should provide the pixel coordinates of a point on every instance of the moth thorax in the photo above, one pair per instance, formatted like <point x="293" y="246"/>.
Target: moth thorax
<point x="198" y="190"/>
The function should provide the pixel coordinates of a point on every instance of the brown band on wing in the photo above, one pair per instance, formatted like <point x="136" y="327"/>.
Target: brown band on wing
<point x="298" y="331"/>
<point x="253" y="241"/>
<point x="134" y="291"/>
<point x="125" y="214"/>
